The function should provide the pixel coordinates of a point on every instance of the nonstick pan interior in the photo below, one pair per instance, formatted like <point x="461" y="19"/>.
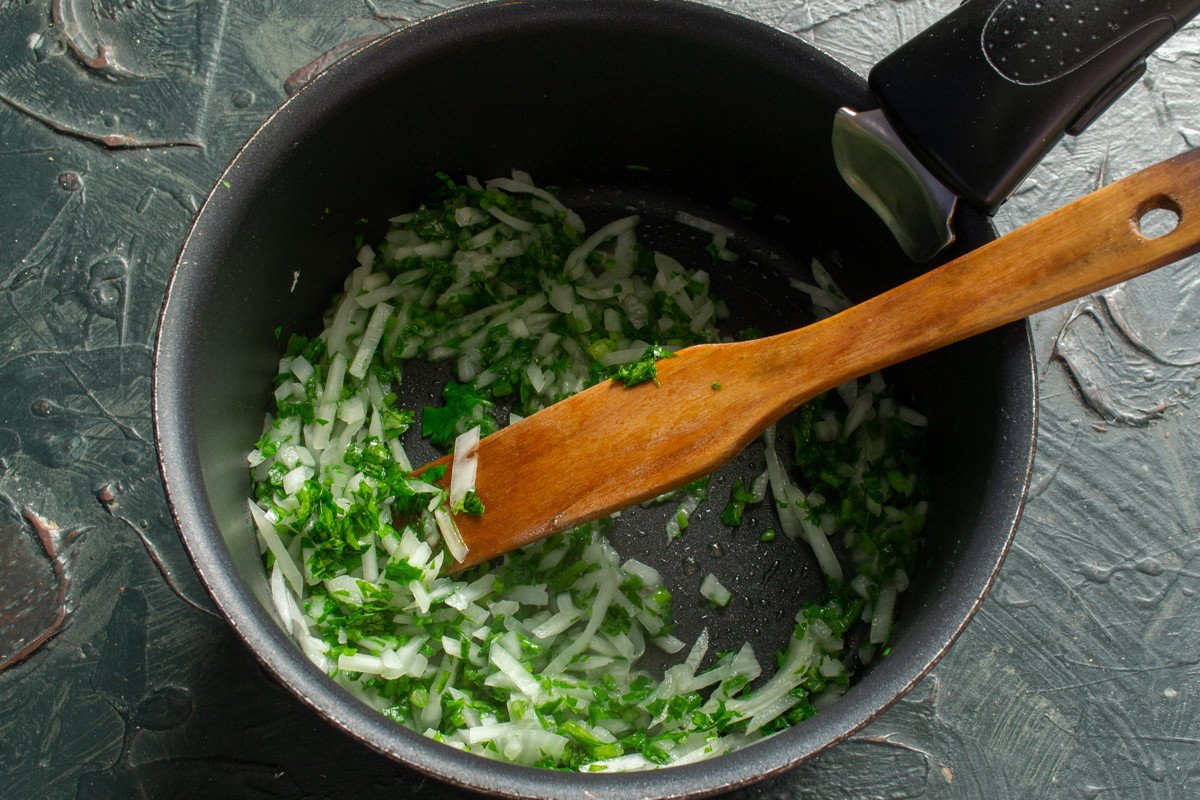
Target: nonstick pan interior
<point x="715" y="107"/>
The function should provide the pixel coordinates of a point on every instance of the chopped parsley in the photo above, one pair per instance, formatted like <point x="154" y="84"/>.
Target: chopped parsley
<point x="470" y="504"/>
<point x="465" y="407"/>
<point x="740" y="497"/>
<point x="644" y="369"/>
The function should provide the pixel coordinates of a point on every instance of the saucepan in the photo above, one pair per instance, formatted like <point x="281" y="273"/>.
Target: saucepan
<point x="661" y="106"/>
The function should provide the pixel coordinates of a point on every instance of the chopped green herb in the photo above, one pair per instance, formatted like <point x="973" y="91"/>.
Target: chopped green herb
<point x="434" y="474"/>
<point x="740" y="497"/>
<point x="644" y="369"/>
<point x="470" y="504"/>
<point x="401" y="571"/>
<point x="465" y="407"/>
<point x="396" y="421"/>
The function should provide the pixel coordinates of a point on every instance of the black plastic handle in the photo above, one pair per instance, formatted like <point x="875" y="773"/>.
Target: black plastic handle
<point x="982" y="94"/>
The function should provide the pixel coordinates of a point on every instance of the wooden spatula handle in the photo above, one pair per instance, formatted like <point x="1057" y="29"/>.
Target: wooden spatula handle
<point x="1087" y="245"/>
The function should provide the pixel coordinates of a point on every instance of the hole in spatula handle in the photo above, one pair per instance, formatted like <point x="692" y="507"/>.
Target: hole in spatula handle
<point x="1157" y="217"/>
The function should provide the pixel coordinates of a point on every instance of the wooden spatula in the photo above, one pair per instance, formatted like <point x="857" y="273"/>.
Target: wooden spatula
<point x="612" y="446"/>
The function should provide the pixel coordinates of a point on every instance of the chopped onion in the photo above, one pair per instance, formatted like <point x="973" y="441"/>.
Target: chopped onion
<point x="575" y="262"/>
<point x="464" y="467"/>
<point x="515" y="672"/>
<point x="712" y="590"/>
<point x="283" y="559"/>
<point x="881" y="621"/>
<point x="649" y="576"/>
<point x="508" y="219"/>
<point x="701" y="224"/>
<point x="450" y="535"/>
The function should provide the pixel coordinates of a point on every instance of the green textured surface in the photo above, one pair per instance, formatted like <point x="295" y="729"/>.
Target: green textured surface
<point x="1077" y="679"/>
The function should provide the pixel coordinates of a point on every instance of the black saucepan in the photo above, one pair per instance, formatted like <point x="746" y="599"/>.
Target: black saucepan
<point x="714" y="106"/>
